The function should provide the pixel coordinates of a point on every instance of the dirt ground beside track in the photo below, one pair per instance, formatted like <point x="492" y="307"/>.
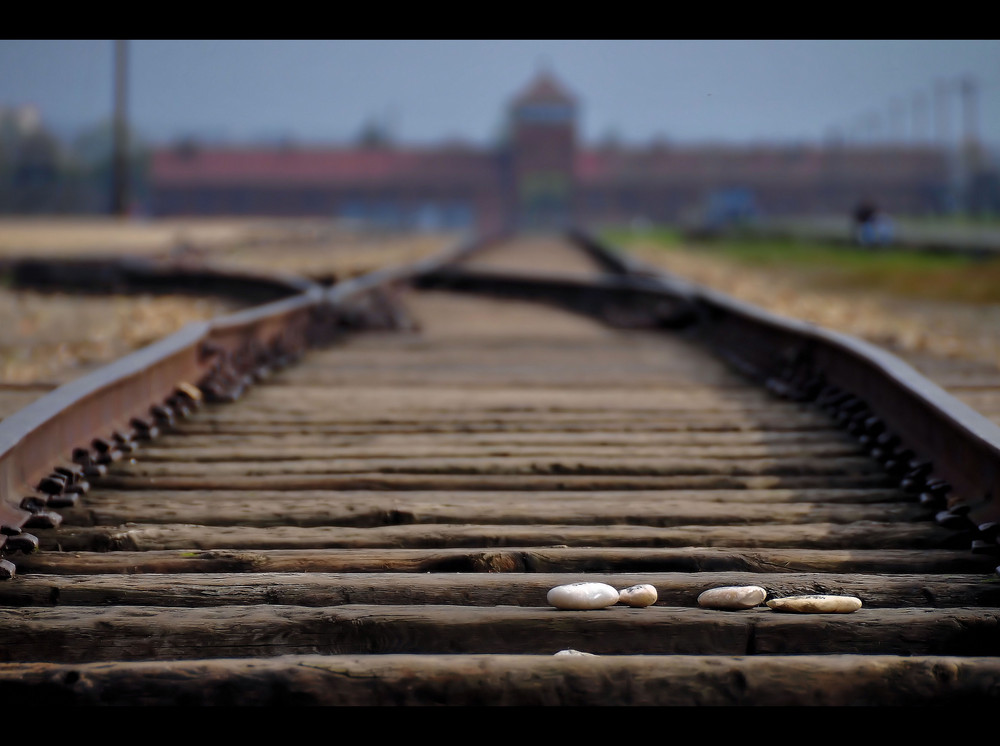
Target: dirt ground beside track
<point x="906" y="326"/>
<point x="50" y="338"/>
<point x="46" y="339"/>
<point x="954" y="344"/>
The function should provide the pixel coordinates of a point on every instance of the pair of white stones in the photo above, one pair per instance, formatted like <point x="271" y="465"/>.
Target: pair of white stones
<point x="600" y="596"/>
<point x="749" y="596"/>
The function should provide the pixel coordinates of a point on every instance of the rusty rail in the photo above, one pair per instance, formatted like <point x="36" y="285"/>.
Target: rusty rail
<point x="49" y="449"/>
<point x="433" y="621"/>
<point x="125" y="275"/>
<point x="941" y="450"/>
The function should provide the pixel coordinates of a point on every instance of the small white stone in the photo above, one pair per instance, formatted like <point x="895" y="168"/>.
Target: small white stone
<point x="638" y="595"/>
<point x="816" y="604"/>
<point x="583" y="596"/>
<point x="570" y="651"/>
<point x="732" y="597"/>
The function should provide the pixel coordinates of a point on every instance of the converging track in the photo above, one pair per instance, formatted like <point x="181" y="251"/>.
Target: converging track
<point x="380" y="523"/>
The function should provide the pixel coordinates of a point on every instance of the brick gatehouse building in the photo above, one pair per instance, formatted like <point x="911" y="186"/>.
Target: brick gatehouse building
<point x="541" y="175"/>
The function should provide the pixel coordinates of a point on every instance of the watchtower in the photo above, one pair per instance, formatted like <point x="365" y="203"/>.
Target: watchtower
<point x="543" y="141"/>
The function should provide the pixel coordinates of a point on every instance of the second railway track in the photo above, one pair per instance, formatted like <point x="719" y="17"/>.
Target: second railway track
<point x="380" y="524"/>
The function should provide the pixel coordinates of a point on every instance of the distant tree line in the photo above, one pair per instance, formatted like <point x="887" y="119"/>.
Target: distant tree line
<point x="43" y="175"/>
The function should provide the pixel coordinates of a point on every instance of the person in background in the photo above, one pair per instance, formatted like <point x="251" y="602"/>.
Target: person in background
<point x="872" y="227"/>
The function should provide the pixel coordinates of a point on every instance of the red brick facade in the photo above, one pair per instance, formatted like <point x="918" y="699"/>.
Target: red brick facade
<point x="540" y="176"/>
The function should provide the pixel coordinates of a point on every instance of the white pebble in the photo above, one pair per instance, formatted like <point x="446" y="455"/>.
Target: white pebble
<point x="570" y="651"/>
<point x="638" y="595"/>
<point x="582" y="596"/>
<point x="732" y="597"/>
<point x="816" y="604"/>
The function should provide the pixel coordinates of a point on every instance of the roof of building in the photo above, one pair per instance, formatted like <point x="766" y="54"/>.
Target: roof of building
<point x="453" y="166"/>
<point x="326" y="166"/>
<point x="544" y="89"/>
<point x="780" y="163"/>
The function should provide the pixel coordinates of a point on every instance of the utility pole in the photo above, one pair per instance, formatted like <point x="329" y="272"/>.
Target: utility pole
<point x="120" y="187"/>
<point x="968" y="87"/>
<point x="971" y="158"/>
<point x="897" y="121"/>
<point x="919" y="129"/>
<point x="942" y="90"/>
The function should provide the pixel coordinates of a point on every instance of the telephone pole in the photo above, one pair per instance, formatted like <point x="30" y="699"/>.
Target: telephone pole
<point x="970" y="110"/>
<point x="120" y="187"/>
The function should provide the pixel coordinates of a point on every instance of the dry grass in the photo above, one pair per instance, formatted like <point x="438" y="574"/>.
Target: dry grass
<point x="74" y="236"/>
<point x="945" y="309"/>
<point x="341" y="256"/>
<point x="53" y="337"/>
<point x="310" y="247"/>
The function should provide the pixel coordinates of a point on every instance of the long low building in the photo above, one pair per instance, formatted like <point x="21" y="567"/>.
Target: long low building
<point x="542" y="176"/>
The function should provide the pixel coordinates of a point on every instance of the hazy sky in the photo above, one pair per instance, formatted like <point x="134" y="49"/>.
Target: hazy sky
<point x="686" y="90"/>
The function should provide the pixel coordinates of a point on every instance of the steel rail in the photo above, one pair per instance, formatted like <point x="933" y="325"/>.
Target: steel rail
<point x="116" y="274"/>
<point x="896" y="410"/>
<point x="955" y="450"/>
<point x="616" y="299"/>
<point x="942" y="241"/>
<point x="401" y="641"/>
<point x="940" y="449"/>
<point x="49" y="449"/>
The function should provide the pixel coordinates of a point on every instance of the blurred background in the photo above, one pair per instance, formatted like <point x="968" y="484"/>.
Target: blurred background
<point x="482" y="134"/>
<point x="852" y="183"/>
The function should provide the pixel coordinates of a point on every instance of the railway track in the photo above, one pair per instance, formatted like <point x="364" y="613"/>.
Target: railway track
<point x="381" y="522"/>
